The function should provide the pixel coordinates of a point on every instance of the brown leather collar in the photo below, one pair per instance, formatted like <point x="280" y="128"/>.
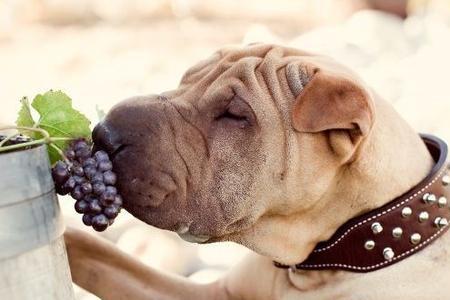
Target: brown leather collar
<point x="394" y="231"/>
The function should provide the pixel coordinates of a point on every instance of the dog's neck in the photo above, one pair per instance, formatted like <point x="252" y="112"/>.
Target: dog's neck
<point x="384" y="172"/>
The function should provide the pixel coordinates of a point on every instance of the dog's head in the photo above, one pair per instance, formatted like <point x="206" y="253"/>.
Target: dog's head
<point x="251" y="135"/>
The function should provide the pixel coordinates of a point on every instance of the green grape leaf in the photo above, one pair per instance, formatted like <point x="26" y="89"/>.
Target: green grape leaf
<point x="57" y="117"/>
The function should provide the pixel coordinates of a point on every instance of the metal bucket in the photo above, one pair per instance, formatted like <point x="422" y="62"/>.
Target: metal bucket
<point x="33" y="258"/>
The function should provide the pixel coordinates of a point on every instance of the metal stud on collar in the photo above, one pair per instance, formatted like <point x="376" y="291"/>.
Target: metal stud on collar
<point x="388" y="253"/>
<point x="440" y="222"/>
<point x="397" y="232"/>
<point x="406" y="212"/>
<point x="446" y="180"/>
<point x="376" y="228"/>
<point x="442" y="202"/>
<point x="415" y="238"/>
<point x="429" y="198"/>
<point x="369" y="245"/>
<point x="424" y="216"/>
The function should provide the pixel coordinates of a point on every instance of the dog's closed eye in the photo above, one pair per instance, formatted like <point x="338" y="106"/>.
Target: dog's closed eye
<point x="237" y="113"/>
<point x="228" y="114"/>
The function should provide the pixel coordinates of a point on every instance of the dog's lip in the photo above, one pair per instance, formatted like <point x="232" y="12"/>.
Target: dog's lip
<point x="183" y="232"/>
<point x="194" y="238"/>
<point x="111" y="152"/>
<point x="116" y="151"/>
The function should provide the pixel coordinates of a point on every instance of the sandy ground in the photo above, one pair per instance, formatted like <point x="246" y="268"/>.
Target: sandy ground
<point x="100" y="59"/>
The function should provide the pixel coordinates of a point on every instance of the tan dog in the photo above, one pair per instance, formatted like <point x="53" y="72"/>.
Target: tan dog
<point x="272" y="148"/>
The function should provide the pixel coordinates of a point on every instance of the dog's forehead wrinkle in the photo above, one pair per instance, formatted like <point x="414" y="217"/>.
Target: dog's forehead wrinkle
<point x="212" y="68"/>
<point x="218" y="91"/>
<point x="228" y="57"/>
<point x="240" y="76"/>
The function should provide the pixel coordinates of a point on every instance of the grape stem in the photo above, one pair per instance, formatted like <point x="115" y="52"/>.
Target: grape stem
<point x="57" y="149"/>
<point x="46" y="139"/>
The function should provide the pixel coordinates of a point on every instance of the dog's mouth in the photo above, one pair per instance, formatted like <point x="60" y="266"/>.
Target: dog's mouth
<point x="117" y="151"/>
<point x="166" y="220"/>
<point x="113" y="150"/>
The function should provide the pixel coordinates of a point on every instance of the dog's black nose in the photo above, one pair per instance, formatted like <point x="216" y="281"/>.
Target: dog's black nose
<point x="105" y="139"/>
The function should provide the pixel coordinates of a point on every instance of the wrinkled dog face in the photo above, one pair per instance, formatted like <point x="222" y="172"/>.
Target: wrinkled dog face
<point x="213" y="157"/>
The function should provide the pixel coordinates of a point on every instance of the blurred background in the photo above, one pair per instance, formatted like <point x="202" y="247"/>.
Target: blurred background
<point x="102" y="51"/>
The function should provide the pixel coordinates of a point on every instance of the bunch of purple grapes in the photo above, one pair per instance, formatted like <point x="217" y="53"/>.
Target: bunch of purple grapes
<point x="89" y="179"/>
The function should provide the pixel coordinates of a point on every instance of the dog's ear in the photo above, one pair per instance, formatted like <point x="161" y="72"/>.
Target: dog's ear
<point x="337" y="105"/>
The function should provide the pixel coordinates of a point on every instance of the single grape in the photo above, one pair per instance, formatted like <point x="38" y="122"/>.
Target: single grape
<point x="76" y="193"/>
<point x="90" y="172"/>
<point x="108" y="195"/>
<point x="95" y="207"/>
<point x="83" y="154"/>
<point x="60" y="173"/>
<point x="104" y="166"/>
<point x="111" y="212"/>
<point x="61" y="165"/>
<point x="86" y="188"/>
<point x="90" y="162"/>
<point x="69" y="185"/>
<point x="107" y="198"/>
<point x="109" y="178"/>
<point x="111" y="189"/>
<point x="98" y="188"/>
<point x="78" y="170"/>
<point x="101" y="156"/>
<point x="87" y="219"/>
<point x="98" y="177"/>
<point x="80" y="144"/>
<point x="100" y="222"/>
<point x="60" y="190"/>
<point x="81" y="206"/>
<point x="70" y="154"/>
